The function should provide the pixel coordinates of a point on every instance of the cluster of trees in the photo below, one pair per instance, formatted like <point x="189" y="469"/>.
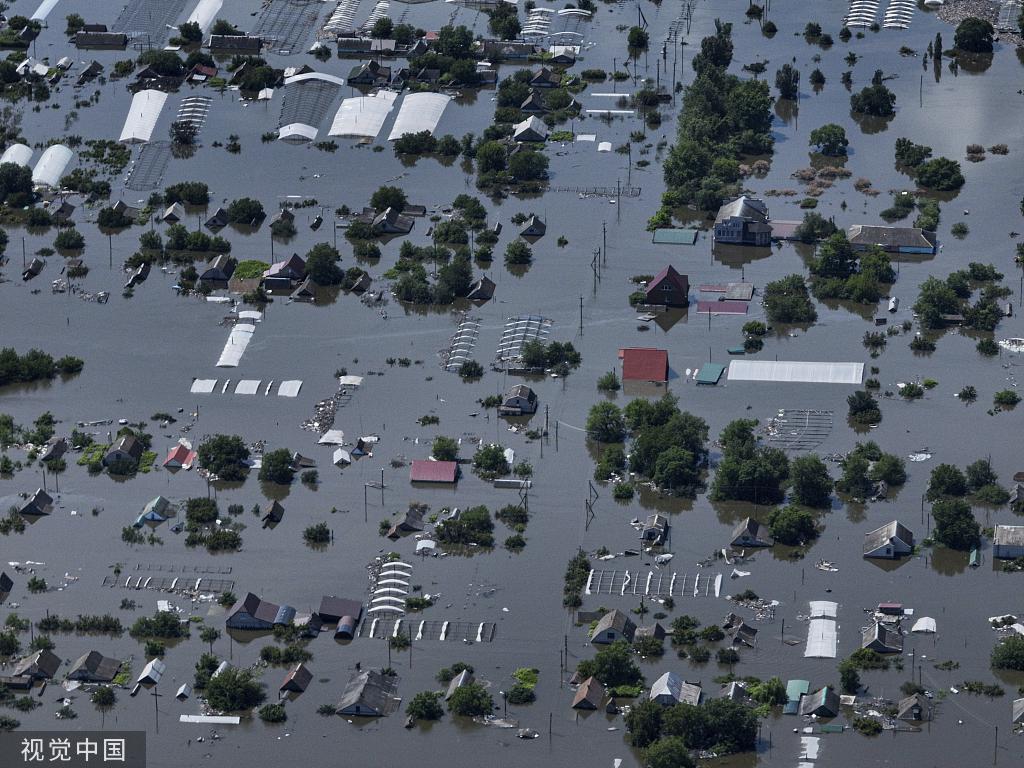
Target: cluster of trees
<point x="840" y="272"/>
<point x="15" y="185"/>
<point x="34" y="365"/>
<point x="495" y="167"/>
<point x="787" y="300"/>
<point x="723" y="118"/>
<point x="866" y="465"/>
<point x="454" y="280"/>
<point x="814" y="227"/>
<point x="187" y="192"/>
<point x="276" y="467"/>
<point x="515" y="89"/>
<point x="223" y="455"/>
<point x="452" y="55"/>
<point x="974" y="35"/>
<point x="557" y="355"/>
<point x="830" y="139"/>
<point x="473" y="526"/>
<point x="938" y="298"/>
<point x="874" y="100"/>
<point x="503" y="21"/>
<point x="322" y="265"/>
<point x="792" y="525"/>
<point x="979" y="481"/>
<point x="669" y="734"/>
<point x="180" y="239"/>
<point x="748" y="471"/>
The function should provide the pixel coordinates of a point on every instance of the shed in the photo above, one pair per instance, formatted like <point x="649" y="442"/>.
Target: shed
<point x="822" y="703"/>
<point x="464" y="678"/>
<point x="518" y="401"/>
<point x="151" y="673"/>
<point x="673" y="236"/>
<point x="644" y="364"/>
<point x="614" y="625"/>
<point x="881" y="639"/>
<point x="751" y="533"/>
<point x="425" y="471"/>
<point x="94" y="667"/>
<point x="41" y="665"/>
<point x="481" y="290"/>
<point x="369" y="694"/>
<point x="1008" y="542"/>
<point x="183" y="692"/>
<point x="914" y="709"/>
<point x="889" y="542"/>
<point x="535" y="228"/>
<point x="589" y="695"/>
<point x="333" y="609"/>
<point x="297" y="680"/>
<point x="271" y="512"/>
<point x="668" y="288"/>
<point x="530" y="129"/>
<point x="38" y="504"/>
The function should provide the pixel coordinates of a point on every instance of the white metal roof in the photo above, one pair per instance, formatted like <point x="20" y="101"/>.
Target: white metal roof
<point x="289" y="388"/>
<point x="332" y="437"/>
<point x="237" y="341"/>
<point x="210" y="719"/>
<point x="51" y="166"/>
<point x="350" y="381"/>
<point x="205" y="12"/>
<point x="314" y="76"/>
<point x="341" y="456"/>
<point x="796" y="372"/>
<point x="419" y="112"/>
<point x="824" y="609"/>
<point x="363" y="116"/>
<point x="247" y="387"/>
<point x="924" y="624"/>
<point x="203" y="386"/>
<point x="821" y="639"/>
<point x="17" y="153"/>
<point x="296" y="132"/>
<point x="44" y="10"/>
<point x="142" y="116"/>
<point x="250" y="314"/>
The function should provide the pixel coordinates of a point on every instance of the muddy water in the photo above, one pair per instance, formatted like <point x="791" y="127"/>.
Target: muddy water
<point x="141" y="355"/>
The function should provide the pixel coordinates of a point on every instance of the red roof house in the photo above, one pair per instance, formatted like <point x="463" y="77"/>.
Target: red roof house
<point x="180" y="457"/>
<point x="425" y="471"/>
<point x="644" y="364"/>
<point x="668" y="288"/>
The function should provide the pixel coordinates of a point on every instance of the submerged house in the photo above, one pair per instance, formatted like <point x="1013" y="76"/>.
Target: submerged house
<point x="219" y="270"/>
<point x="890" y="541"/>
<point x="369" y="694"/>
<point x="410" y="522"/>
<point x="1008" y="542"/>
<point x="644" y="364"/>
<point x="914" y="709"/>
<point x="426" y="471"/>
<point x="882" y="639"/>
<point x="306" y="291"/>
<point x="481" y="290"/>
<point x="38" y="504"/>
<point x="390" y="221"/>
<point x="151" y="673"/>
<point x="180" y="457"/>
<point x="864" y="237"/>
<point x="670" y="689"/>
<point x="271" y="513"/>
<point x="744" y="221"/>
<point x="614" y="625"/>
<point x="41" y="665"/>
<point x="821" y="703"/>
<point x="461" y="680"/>
<point x="545" y="78"/>
<point x="535" y="227"/>
<point x="668" y="288"/>
<point x="530" y="129"/>
<point x="518" y="401"/>
<point x="655" y="529"/>
<point x="297" y="680"/>
<point x="94" y="667"/>
<point x="283" y="274"/>
<point x="256" y="614"/>
<point x="369" y="74"/>
<point x="751" y="533"/>
<point x="127" y="448"/>
<point x="245" y="45"/>
<point x="589" y="695"/>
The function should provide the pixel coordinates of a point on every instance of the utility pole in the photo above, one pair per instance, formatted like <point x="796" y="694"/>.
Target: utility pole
<point x="581" y="315"/>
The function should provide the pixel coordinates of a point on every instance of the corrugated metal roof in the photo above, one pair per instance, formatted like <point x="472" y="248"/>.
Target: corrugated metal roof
<point x="667" y="236"/>
<point x="722" y="307"/>
<point x="645" y="364"/>
<point x="796" y="372"/>
<point x="424" y="471"/>
<point x="822" y="639"/>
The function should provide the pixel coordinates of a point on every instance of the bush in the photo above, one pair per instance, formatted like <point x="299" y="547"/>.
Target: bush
<point x="1009" y="654"/>
<point x="234" y="690"/>
<point x="470" y="701"/>
<point x="425" y="705"/>
<point x="1006" y="398"/>
<point x="223" y="456"/>
<point x="273" y="713"/>
<point x="521" y="694"/>
<point x="277" y="467"/>
<point x="792" y="526"/>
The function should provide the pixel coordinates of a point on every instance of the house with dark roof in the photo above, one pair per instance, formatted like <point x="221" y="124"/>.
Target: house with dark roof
<point x="614" y="625"/>
<point x="256" y="614"/>
<point x="914" y="709"/>
<point x="41" y="665"/>
<point x="390" y="221"/>
<point x="100" y="41"/>
<point x="218" y="220"/>
<point x="518" y="401"/>
<point x="740" y="632"/>
<point x="127" y="448"/>
<point x="655" y="529"/>
<point x="751" y="533"/>
<point x="219" y="270"/>
<point x="864" y="237"/>
<point x="743" y="221"/>
<point x="94" y="667"/>
<point x="33" y="269"/>
<point x="535" y="227"/>
<point x="881" y="639"/>
<point x="271" y="513"/>
<point x="426" y="471"/>
<point x="369" y="73"/>
<point x="545" y="78"/>
<point x="283" y="274"/>
<point x="296" y="681"/>
<point x="410" y="522"/>
<point x="54" y="448"/>
<point x="6" y="583"/>
<point x="821" y="703"/>
<point x="38" y="504"/>
<point x="668" y="288"/>
<point x="173" y="213"/>
<point x="333" y="609"/>
<point x="654" y="630"/>
<point x="306" y="291"/>
<point x="589" y="695"/>
<point x="644" y="364"/>
<point x="369" y="694"/>
<point x="890" y="542"/>
<point x="533" y="105"/>
<point x="481" y="290"/>
<point x="241" y="44"/>
<point x="736" y="691"/>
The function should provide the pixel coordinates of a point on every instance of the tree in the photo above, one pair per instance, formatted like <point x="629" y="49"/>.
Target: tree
<point x="941" y="174"/>
<point x="74" y="23"/>
<point x="605" y="423"/>
<point x="980" y="473"/>
<point x="935" y="299"/>
<point x="715" y="50"/>
<point x="445" y="448"/>
<point x="425" y="705"/>
<point x="388" y="197"/>
<point x="223" y="455"/>
<point x="787" y="80"/>
<point x="103" y="697"/>
<point x="814" y="227"/>
<point x="209" y="635"/>
<point x="955" y="525"/>
<point x="491" y="157"/>
<point x="874" y="101"/>
<point x="163" y="63"/>
<point x="849" y="677"/>
<point x="613" y="665"/>
<point x="973" y="35"/>
<point x="69" y="240"/>
<point x="225" y="28"/>
<point x="245" y="210"/>
<point x="910" y="154"/>
<point x="946" y="480"/>
<point x="747" y="471"/>
<point x="863" y="408"/>
<point x="503" y="21"/>
<point x="675" y="468"/>
<point x="15" y="184"/>
<point x="234" y="689"/>
<point x="643" y="722"/>
<point x="835" y="258"/>
<point x="637" y="39"/>
<point x="1009" y="654"/>
<point x="456" y="42"/>
<point x="382" y="28"/>
<point x="788" y="301"/>
<point x="470" y="700"/>
<point x="277" y="467"/>
<point x="855" y="481"/>
<point x="830" y="139"/>
<point x="190" y="32"/>
<point x="518" y="252"/>
<point x="811" y="482"/>
<point x="792" y="526"/>
<point x="727" y="726"/>
<point x="771" y="692"/>
<point x="322" y="265"/>
<point x="528" y="165"/>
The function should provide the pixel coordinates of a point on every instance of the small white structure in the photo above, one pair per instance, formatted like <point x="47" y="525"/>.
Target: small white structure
<point x="51" y="166"/>
<point x="152" y="673"/>
<point x="1008" y="542"/>
<point x="19" y="154"/>
<point x="142" y="116"/>
<point x="419" y="112"/>
<point x="342" y="458"/>
<point x="925" y="626"/>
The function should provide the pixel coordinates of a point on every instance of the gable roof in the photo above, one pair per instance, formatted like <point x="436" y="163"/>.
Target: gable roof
<point x="906" y="707"/>
<point x="880" y="638"/>
<point x="644" y="364"/>
<point x="616" y="620"/>
<point x="368" y="692"/>
<point x="880" y="537"/>
<point x="41" y="664"/>
<point x="426" y="471"/>
<point x="39" y="503"/>
<point x="753" y="529"/>
<point x="891" y="237"/>
<point x="589" y="695"/>
<point x="670" y="275"/>
<point x="745" y="208"/>
<point x="823" y="703"/>
<point x="94" y="666"/>
<point x="298" y="679"/>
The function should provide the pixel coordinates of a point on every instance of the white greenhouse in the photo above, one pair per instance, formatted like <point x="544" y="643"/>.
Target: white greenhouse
<point x="142" y="116"/>
<point x="419" y="112"/>
<point x="20" y="154"/>
<point x="51" y="166"/>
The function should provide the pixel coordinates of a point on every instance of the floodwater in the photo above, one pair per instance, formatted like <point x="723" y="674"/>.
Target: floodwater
<point x="141" y="355"/>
